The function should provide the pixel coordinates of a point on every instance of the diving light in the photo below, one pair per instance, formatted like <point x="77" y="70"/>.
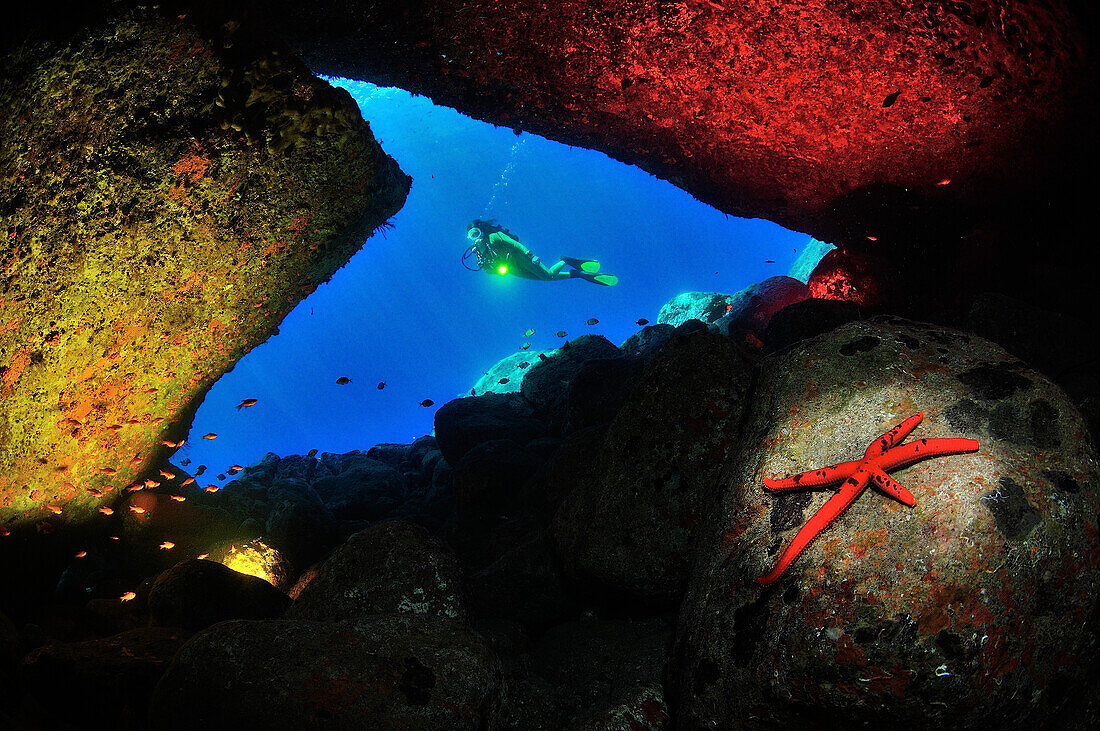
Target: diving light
<point x="502" y="269"/>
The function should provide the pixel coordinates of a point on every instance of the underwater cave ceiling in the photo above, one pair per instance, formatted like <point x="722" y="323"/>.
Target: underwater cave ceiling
<point x="169" y="196"/>
<point x="899" y="127"/>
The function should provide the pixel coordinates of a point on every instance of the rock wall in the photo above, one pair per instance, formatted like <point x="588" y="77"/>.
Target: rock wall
<point x="170" y="189"/>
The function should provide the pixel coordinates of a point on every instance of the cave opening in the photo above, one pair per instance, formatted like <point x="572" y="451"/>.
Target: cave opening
<point x="405" y="313"/>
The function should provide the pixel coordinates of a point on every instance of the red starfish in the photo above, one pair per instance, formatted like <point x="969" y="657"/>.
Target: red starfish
<point x="882" y="454"/>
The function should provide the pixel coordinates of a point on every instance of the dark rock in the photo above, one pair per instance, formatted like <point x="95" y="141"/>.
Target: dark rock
<point x="391" y="454"/>
<point x="10" y="650"/>
<point x="544" y="448"/>
<point x="595" y="665"/>
<point x="389" y="568"/>
<point x="806" y="319"/>
<point x="1055" y="344"/>
<point x="524" y="585"/>
<point x="389" y="671"/>
<point x="937" y="615"/>
<point x="488" y="489"/>
<point x="628" y="527"/>
<point x="462" y="424"/>
<point x="575" y="460"/>
<point x="196" y="593"/>
<point x="546" y="384"/>
<point x="598" y="391"/>
<point x="95" y="683"/>
<point x="644" y="343"/>
<point x="753" y="307"/>
<point x="418" y="449"/>
<point x="365" y="489"/>
<point x="300" y="528"/>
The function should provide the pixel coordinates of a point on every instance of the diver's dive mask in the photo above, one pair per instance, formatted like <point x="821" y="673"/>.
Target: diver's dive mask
<point x="485" y="256"/>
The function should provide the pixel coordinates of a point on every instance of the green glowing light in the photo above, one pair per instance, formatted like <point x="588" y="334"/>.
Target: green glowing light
<point x="503" y="270"/>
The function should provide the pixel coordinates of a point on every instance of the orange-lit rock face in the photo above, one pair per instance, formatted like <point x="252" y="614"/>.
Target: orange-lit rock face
<point x="167" y="198"/>
<point x="801" y="112"/>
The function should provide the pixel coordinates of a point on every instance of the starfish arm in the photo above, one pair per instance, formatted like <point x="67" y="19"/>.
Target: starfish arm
<point x="829" y="512"/>
<point x="891" y="487"/>
<point x="895" y="436"/>
<point x="907" y="454"/>
<point x="815" y="478"/>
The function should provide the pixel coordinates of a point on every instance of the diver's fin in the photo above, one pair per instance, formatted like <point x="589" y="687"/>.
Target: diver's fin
<point x="588" y="266"/>
<point x="605" y="279"/>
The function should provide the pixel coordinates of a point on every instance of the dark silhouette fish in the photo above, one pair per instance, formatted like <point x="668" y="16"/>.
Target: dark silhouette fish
<point x="642" y="321"/>
<point x="246" y="402"/>
<point x="343" y="380"/>
<point x="524" y="364"/>
<point x="592" y="321"/>
<point x="561" y="333"/>
<point x="529" y="333"/>
<point x="427" y="402"/>
<point x="502" y="381"/>
<point x="525" y="346"/>
<point x="381" y="385"/>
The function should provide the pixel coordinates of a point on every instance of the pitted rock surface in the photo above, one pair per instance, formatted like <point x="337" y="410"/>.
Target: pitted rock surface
<point x="389" y="568"/>
<point x="970" y="609"/>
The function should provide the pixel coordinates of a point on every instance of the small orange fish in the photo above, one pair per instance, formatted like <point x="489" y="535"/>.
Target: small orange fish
<point x="211" y="488"/>
<point x="202" y="555"/>
<point x="137" y="509"/>
<point x="94" y="492"/>
<point x="167" y="475"/>
<point x="188" y="481"/>
<point x="135" y="487"/>
<point x="167" y="545"/>
<point x="56" y="509"/>
<point x="127" y="596"/>
<point x="113" y="538"/>
<point x="178" y="498"/>
<point x="246" y="402"/>
<point x="236" y="467"/>
<point x="108" y="471"/>
<point x="4" y="532"/>
<point x="945" y="181"/>
<point x="211" y="435"/>
<point x="82" y="554"/>
<point x="106" y="511"/>
<point x="151" y="483"/>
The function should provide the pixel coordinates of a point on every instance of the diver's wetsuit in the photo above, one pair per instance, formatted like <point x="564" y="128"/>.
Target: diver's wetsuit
<point x="521" y="261"/>
<point x="506" y="255"/>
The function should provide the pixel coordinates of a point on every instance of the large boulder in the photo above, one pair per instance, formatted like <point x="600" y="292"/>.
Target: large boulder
<point x="628" y="526"/>
<point x="196" y="593"/>
<point x="171" y="190"/>
<point x="98" y="684"/>
<point x="389" y="568"/>
<point x="546" y="385"/>
<point x="968" y="609"/>
<point x="386" y="671"/>
<point x="462" y="424"/>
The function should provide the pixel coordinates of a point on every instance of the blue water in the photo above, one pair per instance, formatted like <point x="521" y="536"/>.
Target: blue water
<point x="405" y="312"/>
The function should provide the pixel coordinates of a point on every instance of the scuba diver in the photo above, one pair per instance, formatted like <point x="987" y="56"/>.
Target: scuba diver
<point x="498" y="251"/>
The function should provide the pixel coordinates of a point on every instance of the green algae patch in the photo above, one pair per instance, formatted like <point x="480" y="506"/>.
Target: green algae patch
<point x="168" y="192"/>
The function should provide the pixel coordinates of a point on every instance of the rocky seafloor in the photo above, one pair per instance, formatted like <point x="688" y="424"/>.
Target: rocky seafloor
<point x="582" y="552"/>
